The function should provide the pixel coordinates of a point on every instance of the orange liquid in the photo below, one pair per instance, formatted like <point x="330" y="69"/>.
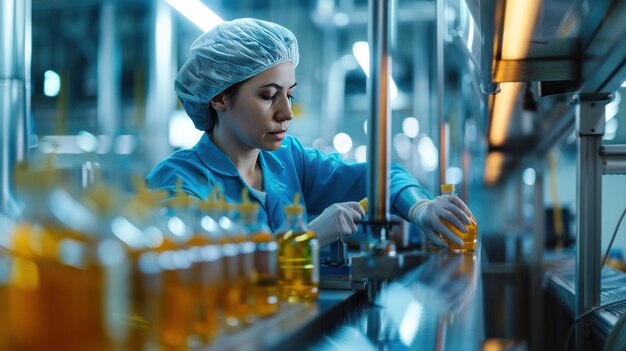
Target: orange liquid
<point x="176" y="306"/>
<point x="265" y="275"/>
<point x="205" y="289"/>
<point x="4" y="300"/>
<point x="143" y="313"/>
<point x="298" y="272"/>
<point x="469" y="238"/>
<point x="205" y="319"/>
<point x="51" y="302"/>
<point x="236" y="297"/>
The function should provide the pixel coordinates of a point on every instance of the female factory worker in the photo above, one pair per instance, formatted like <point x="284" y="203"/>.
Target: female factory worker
<point x="237" y="86"/>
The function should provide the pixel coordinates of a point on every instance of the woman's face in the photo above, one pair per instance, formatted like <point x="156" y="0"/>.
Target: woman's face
<point x="260" y="113"/>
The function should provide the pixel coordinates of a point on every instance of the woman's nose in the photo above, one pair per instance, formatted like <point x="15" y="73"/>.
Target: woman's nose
<point x="284" y="112"/>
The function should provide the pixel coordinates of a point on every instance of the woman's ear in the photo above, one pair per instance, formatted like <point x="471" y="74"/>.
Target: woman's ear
<point x="220" y="102"/>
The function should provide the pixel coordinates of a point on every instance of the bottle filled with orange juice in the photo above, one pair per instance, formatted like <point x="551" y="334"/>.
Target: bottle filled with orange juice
<point x="264" y="277"/>
<point x="236" y="250"/>
<point x="298" y="257"/>
<point x="177" y="305"/>
<point x="56" y="270"/>
<point x="470" y="237"/>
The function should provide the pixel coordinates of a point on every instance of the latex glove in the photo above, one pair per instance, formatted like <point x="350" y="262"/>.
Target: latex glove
<point x="427" y="214"/>
<point x="336" y="220"/>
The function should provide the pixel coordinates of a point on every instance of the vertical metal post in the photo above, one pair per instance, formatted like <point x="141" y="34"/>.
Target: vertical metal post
<point x="589" y="131"/>
<point x="109" y="72"/>
<point x="536" y="265"/>
<point x="14" y="64"/>
<point x="378" y="154"/>
<point x="441" y="125"/>
<point x="161" y="103"/>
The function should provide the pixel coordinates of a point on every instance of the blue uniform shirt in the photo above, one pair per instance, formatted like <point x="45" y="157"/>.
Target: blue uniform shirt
<point x="321" y="179"/>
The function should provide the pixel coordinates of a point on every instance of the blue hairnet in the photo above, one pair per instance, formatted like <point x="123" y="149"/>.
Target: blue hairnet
<point x="231" y="52"/>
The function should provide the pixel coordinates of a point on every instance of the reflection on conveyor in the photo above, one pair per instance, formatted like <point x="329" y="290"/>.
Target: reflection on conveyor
<point x="415" y="311"/>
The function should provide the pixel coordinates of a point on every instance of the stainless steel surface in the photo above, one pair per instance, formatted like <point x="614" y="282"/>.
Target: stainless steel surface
<point x="613" y="159"/>
<point x="294" y="326"/>
<point x="14" y="46"/>
<point x="328" y="282"/>
<point x="529" y="71"/>
<point x="379" y="119"/>
<point x="603" y="68"/>
<point x="436" y="306"/>
<point x="589" y="128"/>
<point x="491" y="18"/>
<point x="378" y="269"/>
<point x="385" y="267"/>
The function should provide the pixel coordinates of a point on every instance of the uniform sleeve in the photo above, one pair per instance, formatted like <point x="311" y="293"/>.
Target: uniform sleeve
<point x="327" y="179"/>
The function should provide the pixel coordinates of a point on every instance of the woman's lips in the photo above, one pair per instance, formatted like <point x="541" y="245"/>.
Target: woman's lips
<point x="280" y="135"/>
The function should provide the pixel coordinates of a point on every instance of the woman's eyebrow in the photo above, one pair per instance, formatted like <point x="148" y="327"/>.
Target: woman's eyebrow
<point x="277" y="86"/>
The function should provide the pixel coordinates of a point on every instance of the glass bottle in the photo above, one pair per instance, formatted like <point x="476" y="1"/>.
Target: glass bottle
<point x="470" y="237"/>
<point x="206" y="258"/>
<point x="298" y="257"/>
<point x="177" y="302"/>
<point x="235" y="262"/>
<point x="264" y="277"/>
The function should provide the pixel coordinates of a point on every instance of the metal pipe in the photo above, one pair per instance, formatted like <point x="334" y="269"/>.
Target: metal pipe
<point x="590" y="129"/>
<point x="14" y="46"/>
<point x="162" y="74"/>
<point x="613" y="159"/>
<point x="109" y="72"/>
<point x="441" y="125"/>
<point x="536" y="260"/>
<point x="378" y="154"/>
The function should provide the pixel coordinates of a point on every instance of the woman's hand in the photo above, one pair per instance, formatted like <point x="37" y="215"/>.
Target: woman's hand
<point x="338" y="219"/>
<point x="427" y="214"/>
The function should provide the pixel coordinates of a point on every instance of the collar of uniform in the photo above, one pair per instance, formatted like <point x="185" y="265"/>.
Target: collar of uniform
<point x="268" y="159"/>
<point x="214" y="158"/>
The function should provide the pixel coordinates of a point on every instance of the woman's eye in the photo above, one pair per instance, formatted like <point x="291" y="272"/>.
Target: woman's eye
<point x="290" y="97"/>
<point x="268" y="97"/>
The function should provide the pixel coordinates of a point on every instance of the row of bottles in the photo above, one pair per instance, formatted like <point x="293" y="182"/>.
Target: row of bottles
<point x="105" y="271"/>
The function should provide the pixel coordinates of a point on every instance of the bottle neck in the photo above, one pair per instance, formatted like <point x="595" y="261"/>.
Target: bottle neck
<point x="295" y="220"/>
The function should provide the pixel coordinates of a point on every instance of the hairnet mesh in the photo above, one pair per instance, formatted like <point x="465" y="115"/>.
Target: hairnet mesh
<point x="231" y="52"/>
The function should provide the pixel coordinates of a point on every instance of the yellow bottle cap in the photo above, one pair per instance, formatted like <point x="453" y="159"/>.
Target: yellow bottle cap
<point x="181" y="199"/>
<point x="447" y="188"/>
<point x="215" y="201"/>
<point x="246" y="206"/>
<point x="144" y="199"/>
<point x="364" y="203"/>
<point x="102" y="197"/>
<point x="295" y="208"/>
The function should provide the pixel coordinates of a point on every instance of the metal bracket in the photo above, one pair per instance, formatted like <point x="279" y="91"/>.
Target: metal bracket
<point x="591" y="108"/>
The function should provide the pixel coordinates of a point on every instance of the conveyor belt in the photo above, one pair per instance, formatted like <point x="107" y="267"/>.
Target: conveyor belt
<point x="561" y="283"/>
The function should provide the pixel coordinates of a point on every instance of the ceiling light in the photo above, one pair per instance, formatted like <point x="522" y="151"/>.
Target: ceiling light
<point x="411" y="127"/>
<point x="493" y="167"/>
<point x="51" y="83"/>
<point x="502" y="111"/>
<point x="197" y="13"/>
<point x="519" y="23"/>
<point x="342" y="143"/>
